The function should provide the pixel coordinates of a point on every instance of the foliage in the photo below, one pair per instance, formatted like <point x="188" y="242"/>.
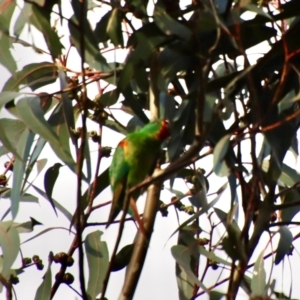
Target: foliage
<point x="187" y="62"/>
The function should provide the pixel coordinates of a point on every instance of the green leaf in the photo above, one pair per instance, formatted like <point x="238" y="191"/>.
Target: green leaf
<point x="39" y="2"/>
<point x="44" y="290"/>
<point x="49" y="181"/>
<point x="220" y="151"/>
<point x="32" y="115"/>
<point x="284" y="245"/>
<point x="203" y="210"/>
<point x="122" y="258"/>
<point x="186" y="237"/>
<point x="10" y="245"/>
<point x="26" y="226"/>
<point x="288" y="213"/>
<point x="6" y="58"/>
<point x="199" y="199"/>
<point x="258" y="10"/>
<point x="102" y="182"/>
<point x="59" y="126"/>
<point x="232" y="244"/>
<point x="25" y="197"/>
<point x="91" y="50"/>
<point x="134" y="124"/>
<point x="39" y="146"/>
<point x="288" y="175"/>
<point x="215" y="295"/>
<point x="87" y="159"/>
<point x="67" y="107"/>
<point x="6" y="97"/>
<point x="39" y="18"/>
<point x="40" y="165"/>
<point x="7" y="11"/>
<point x="183" y="259"/>
<point x="109" y="98"/>
<point x="24" y="145"/>
<point x="45" y="231"/>
<point x="57" y="205"/>
<point x="167" y="106"/>
<point x="211" y="256"/>
<point x="10" y="133"/>
<point x="97" y="257"/>
<point x="100" y="29"/>
<point x="173" y="62"/>
<point x="258" y="283"/>
<point x="132" y="101"/>
<point x="115" y="126"/>
<point x="169" y="25"/>
<point x="114" y="27"/>
<point x="35" y="75"/>
<point x="22" y="19"/>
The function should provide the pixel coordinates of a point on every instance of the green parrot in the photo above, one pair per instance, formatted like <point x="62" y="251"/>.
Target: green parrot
<point x="133" y="160"/>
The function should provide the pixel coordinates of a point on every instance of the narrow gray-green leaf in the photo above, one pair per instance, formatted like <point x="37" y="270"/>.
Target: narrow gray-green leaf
<point x="97" y="256"/>
<point x="44" y="290"/>
<point x="67" y="106"/>
<point x="5" y="97"/>
<point x="114" y="27"/>
<point x="10" y="133"/>
<point x="10" y="244"/>
<point x="169" y="25"/>
<point x="61" y="208"/>
<point x="183" y="257"/>
<point x="211" y="256"/>
<point x="45" y="231"/>
<point x="215" y="295"/>
<point x="203" y="210"/>
<point x="284" y="245"/>
<point x="258" y="283"/>
<point x="26" y="226"/>
<point x="39" y="19"/>
<point x="34" y="75"/>
<point x="24" y="145"/>
<point x="220" y="150"/>
<point x="6" y="58"/>
<point x="92" y="52"/>
<point x="32" y="114"/>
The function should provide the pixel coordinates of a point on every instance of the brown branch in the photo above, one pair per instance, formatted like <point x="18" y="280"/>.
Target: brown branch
<point x="286" y="205"/>
<point x="141" y="242"/>
<point x="283" y="223"/>
<point x="279" y="123"/>
<point x="80" y="157"/>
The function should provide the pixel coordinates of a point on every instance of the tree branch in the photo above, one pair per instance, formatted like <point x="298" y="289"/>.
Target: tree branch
<point x="141" y="242"/>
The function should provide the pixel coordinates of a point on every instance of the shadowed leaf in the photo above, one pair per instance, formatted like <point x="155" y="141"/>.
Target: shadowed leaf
<point x="49" y="181"/>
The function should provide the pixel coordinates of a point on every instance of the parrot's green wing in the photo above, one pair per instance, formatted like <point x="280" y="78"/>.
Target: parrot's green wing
<point x="133" y="160"/>
<point x="118" y="174"/>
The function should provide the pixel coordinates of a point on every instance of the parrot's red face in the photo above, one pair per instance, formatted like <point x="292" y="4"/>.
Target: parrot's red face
<point x="164" y="131"/>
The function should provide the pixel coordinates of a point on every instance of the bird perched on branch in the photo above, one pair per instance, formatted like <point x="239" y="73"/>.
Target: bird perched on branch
<point x="132" y="162"/>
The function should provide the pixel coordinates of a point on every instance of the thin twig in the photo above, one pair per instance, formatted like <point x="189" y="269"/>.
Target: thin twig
<point x="120" y="233"/>
<point x="80" y="157"/>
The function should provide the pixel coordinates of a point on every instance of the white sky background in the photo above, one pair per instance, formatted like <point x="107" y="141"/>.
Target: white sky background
<point x="158" y="277"/>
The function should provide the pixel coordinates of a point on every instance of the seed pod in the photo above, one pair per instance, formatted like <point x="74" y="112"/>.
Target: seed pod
<point x="70" y="261"/>
<point x="60" y="257"/>
<point x="35" y="258"/>
<point x="27" y="261"/>
<point x="68" y="278"/>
